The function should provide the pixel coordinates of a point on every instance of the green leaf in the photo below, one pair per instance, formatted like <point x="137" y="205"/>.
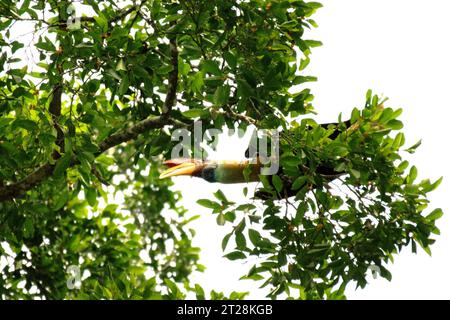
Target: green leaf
<point x="28" y="228"/>
<point x="221" y="196"/>
<point x="114" y="74"/>
<point x="395" y="124"/>
<point x="209" y="66"/>
<point x="120" y="67"/>
<point x="299" y="182"/>
<point x="244" y="89"/>
<point x="24" y="7"/>
<point x="46" y="138"/>
<point x="221" y="220"/>
<point x="340" y="167"/>
<point x="314" y="5"/>
<point x="235" y="255"/>
<point x="209" y="204"/>
<point x="313" y="43"/>
<point x="21" y="92"/>
<point x="197" y="82"/>
<point x="171" y="286"/>
<point x="317" y="250"/>
<point x="385" y="273"/>
<point x="290" y="160"/>
<point x="388" y="114"/>
<point x="91" y="196"/>
<point x="199" y="292"/>
<point x="142" y="73"/>
<point x="124" y="85"/>
<point x="413" y="148"/>
<point x="102" y="22"/>
<point x="412" y="174"/>
<point x="435" y="215"/>
<point x="46" y="45"/>
<point x="183" y="67"/>
<point x="398" y="141"/>
<point x="302" y="79"/>
<point x="245" y="207"/>
<point x="62" y="165"/>
<point x="355" y="115"/>
<point x="225" y="241"/>
<point x="277" y="183"/>
<point x="433" y="186"/>
<point x="195" y="113"/>
<point x="254" y="237"/>
<point x="5" y="121"/>
<point x="355" y="173"/>
<point x="338" y="150"/>
<point x="369" y="96"/>
<point x="222" y="95"/>
<point x="26" y="124"/>
<point x="61" y="200"/>
<point x="282" y="258"/>
<point x="304" y="63"/>
<point x="240" y="227"/>
<point x="403" y="165"/>
<point x="230" y="216"/>
<point x="230" y="59"/>
<point x="240" y="241"/>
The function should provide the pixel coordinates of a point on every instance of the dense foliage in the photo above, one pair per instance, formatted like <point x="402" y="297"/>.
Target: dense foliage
<point x="87" y="107"/>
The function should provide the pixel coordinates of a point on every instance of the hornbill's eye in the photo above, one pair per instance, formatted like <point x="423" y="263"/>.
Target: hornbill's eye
<point x="208" y="173"/>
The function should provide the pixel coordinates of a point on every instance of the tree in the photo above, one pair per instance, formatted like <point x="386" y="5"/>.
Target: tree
<point x="97" y="103"/>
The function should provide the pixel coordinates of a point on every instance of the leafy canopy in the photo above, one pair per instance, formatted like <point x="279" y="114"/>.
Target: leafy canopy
<point x="87" y="107"/>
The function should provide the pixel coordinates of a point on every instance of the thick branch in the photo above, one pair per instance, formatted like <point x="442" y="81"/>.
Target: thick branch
<point x="173" y="79"/>
<point x="55" y="111"/>
<point x="34" y="179"/>
<point x="132" y="133"/>
<point x="16" y="189"/>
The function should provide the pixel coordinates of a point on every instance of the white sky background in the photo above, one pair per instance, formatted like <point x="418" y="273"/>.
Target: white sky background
<point x="400" y="49"/>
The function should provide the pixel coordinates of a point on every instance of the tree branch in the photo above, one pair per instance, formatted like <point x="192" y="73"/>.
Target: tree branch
<point x="173" y="79"/>
<point x="132" y="133"/>
<point x="17" y="189"/>
<point x="238" y="116"/>
<point x="55" y="111"/>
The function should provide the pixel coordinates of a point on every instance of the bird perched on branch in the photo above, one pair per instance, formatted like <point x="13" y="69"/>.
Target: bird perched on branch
<point x="230" y="171"/>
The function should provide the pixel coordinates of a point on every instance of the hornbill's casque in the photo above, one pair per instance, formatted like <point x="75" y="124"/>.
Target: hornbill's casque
<point x="229" y="171"/>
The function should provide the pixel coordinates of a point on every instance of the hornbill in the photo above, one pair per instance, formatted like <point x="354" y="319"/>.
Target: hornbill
<point x="230" y="171"/>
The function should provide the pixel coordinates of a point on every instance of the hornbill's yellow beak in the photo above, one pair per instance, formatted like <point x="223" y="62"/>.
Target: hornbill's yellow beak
<point x="182" y="167"/>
